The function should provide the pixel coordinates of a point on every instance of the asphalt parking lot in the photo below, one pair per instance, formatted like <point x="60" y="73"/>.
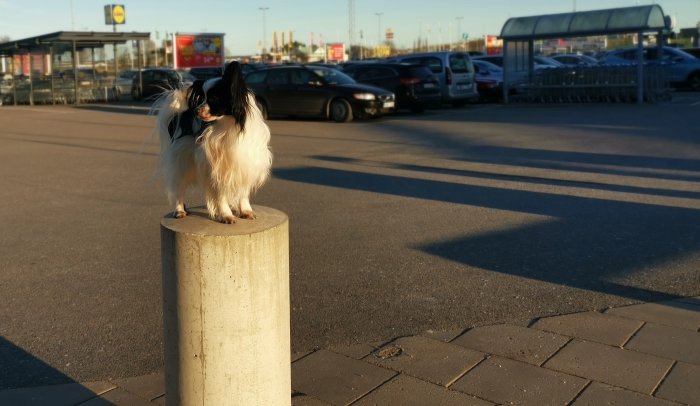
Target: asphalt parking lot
<point x="411" y="223"/>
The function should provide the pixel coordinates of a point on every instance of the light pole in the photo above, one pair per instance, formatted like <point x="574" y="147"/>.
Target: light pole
<point x="379" y="28"/>
<point x="459" y="32"/>
<point x="264" y="9"/>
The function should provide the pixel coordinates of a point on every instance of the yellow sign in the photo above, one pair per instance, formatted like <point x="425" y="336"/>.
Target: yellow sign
<point x="115" y="14"/>
<point x="118" y="14"/>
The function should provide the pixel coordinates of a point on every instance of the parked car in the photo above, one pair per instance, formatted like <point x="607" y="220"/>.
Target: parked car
<point x="124" y="82"/>
<point x="693" y="51"/>
<point x="215" y="72"/>
<point x="489" y="80"/>
<point x="575" y="60"/>
<point x="207" y="73"/>
<point x="87" y="78"/>
<point x="248" y="67"/>
<point x="415" y="86"/>
<point x="154" y="81"/>
<point x="454" y="70"/>
<point x="541" y="62"/>
<point x="684" y="69"/>
<point x="547" y="62"/>
<point x="187" y="78"/>
<point x="317" y="91"/>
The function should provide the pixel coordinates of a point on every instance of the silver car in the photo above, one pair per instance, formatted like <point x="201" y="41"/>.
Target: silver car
<point x="122" y="85"/>
<point x="455" y="72"/>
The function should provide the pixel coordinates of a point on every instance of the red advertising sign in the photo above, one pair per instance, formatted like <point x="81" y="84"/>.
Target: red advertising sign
<point x="336" y="52"/>
<point x="494" y="45"/>
<point x="198" y="50"/>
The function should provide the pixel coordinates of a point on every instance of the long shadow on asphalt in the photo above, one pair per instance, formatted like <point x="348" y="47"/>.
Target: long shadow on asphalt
<point x="537" y="180"/>
<point x="19" y="367"/>
<point x="590" y="244"/>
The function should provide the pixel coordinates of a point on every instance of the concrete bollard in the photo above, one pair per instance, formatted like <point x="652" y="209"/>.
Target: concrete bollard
<point x="226" y="310"/>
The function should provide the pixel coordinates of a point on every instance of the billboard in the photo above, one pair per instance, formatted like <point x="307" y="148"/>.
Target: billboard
<point x="336" y="52"/>
<point x="115" y="14"/>
<point x="494" y="45"/>
<point x="198" y="50"/>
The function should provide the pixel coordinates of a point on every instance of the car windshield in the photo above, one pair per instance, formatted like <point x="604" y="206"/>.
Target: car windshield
<point x="459" y="63"/>
<point x="333" y="76"/>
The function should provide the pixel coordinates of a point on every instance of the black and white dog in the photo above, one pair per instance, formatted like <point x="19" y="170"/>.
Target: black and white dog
<point x="213" y="134"/>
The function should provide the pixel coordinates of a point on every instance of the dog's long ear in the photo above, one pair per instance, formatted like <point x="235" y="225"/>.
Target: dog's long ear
<point x="196" y="96"/>
<point x="233" y="79"/>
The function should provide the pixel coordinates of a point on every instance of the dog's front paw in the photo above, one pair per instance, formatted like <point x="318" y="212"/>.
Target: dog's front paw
<point x="228" y="219"/>
<point x="179" y="214"/>
<point x="250" y="215"/>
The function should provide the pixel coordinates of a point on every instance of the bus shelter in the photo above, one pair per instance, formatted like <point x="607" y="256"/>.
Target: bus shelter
<point x="638" y="81"/>
<point x="51" y="71"/>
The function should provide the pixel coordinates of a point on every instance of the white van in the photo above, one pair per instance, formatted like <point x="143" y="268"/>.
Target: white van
<point x="454" y="70"/>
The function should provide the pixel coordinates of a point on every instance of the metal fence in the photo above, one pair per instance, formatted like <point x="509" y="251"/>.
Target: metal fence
<point x="605" y="84"/>
<point x="61" y="92"/>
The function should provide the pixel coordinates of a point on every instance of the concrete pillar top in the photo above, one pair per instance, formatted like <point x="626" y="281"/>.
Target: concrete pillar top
<point x="198" y="222"/>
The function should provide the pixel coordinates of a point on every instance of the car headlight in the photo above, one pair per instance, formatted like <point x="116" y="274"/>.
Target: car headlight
<point x="364" y="96"/>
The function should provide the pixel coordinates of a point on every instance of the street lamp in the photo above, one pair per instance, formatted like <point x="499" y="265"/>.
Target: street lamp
<point x="379" y="28"/>
<point x="264" y="9"/>
<point x="460" y="40"/>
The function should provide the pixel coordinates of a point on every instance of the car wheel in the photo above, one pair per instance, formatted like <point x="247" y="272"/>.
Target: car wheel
<point x="340" y="111"/>
<point x="136" y="93"/>
<point x="417" y="109"/>
<point x="694" y="81"/>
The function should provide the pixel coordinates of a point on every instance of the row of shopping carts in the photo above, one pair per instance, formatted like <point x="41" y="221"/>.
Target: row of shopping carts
<point x="590" y="84"/>
<point x="62" y="92"/>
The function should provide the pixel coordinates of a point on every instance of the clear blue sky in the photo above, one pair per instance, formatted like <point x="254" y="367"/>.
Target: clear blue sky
<point x="242" y="21"/>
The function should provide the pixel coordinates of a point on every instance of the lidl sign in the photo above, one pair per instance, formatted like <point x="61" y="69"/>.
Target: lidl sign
<point x="115" y="14"/>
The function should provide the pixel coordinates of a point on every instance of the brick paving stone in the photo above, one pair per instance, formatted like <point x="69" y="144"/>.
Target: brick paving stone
<point x="305" y="400"/>
<point x="513" y="342"/>
<point x="147" y="386"/>
<point x="615" y="366"/>
<point x="505" y="381"/>
<point x="444" y="336"/>
<point x="299" y="355"/>
<point x="676" y="313"/>
<point x="355" y="351"/>
<point x="55" y="395"/>
<point x="336" y="379"/>
<point x="404" y="390"/>
<point x="117" y="397"/>
<point x="601" y="394"/>
<point x="591" y="326"/>
<point x="682" y="384"/>
<point x="427" y="359"/>
<point x="669" y="342"/>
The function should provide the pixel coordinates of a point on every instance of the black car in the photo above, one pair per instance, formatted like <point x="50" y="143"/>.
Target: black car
<point x="317" y="91"/>
<point x="153" y="82"/>
<point x="215" y="72"/>
<point x="206" y="73"/>
<point x="416" y="86"/>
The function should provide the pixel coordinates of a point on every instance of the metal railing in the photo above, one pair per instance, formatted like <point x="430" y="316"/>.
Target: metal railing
<point x="605" y="84"/>
<point x="63" y="91"/>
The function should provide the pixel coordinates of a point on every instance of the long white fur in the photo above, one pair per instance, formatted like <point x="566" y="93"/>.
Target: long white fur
<point x="228" y="164"/>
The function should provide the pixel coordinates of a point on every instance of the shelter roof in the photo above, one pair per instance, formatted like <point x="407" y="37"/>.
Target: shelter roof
<point x="586" y="23"/>
<point x="82" y="39"/>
